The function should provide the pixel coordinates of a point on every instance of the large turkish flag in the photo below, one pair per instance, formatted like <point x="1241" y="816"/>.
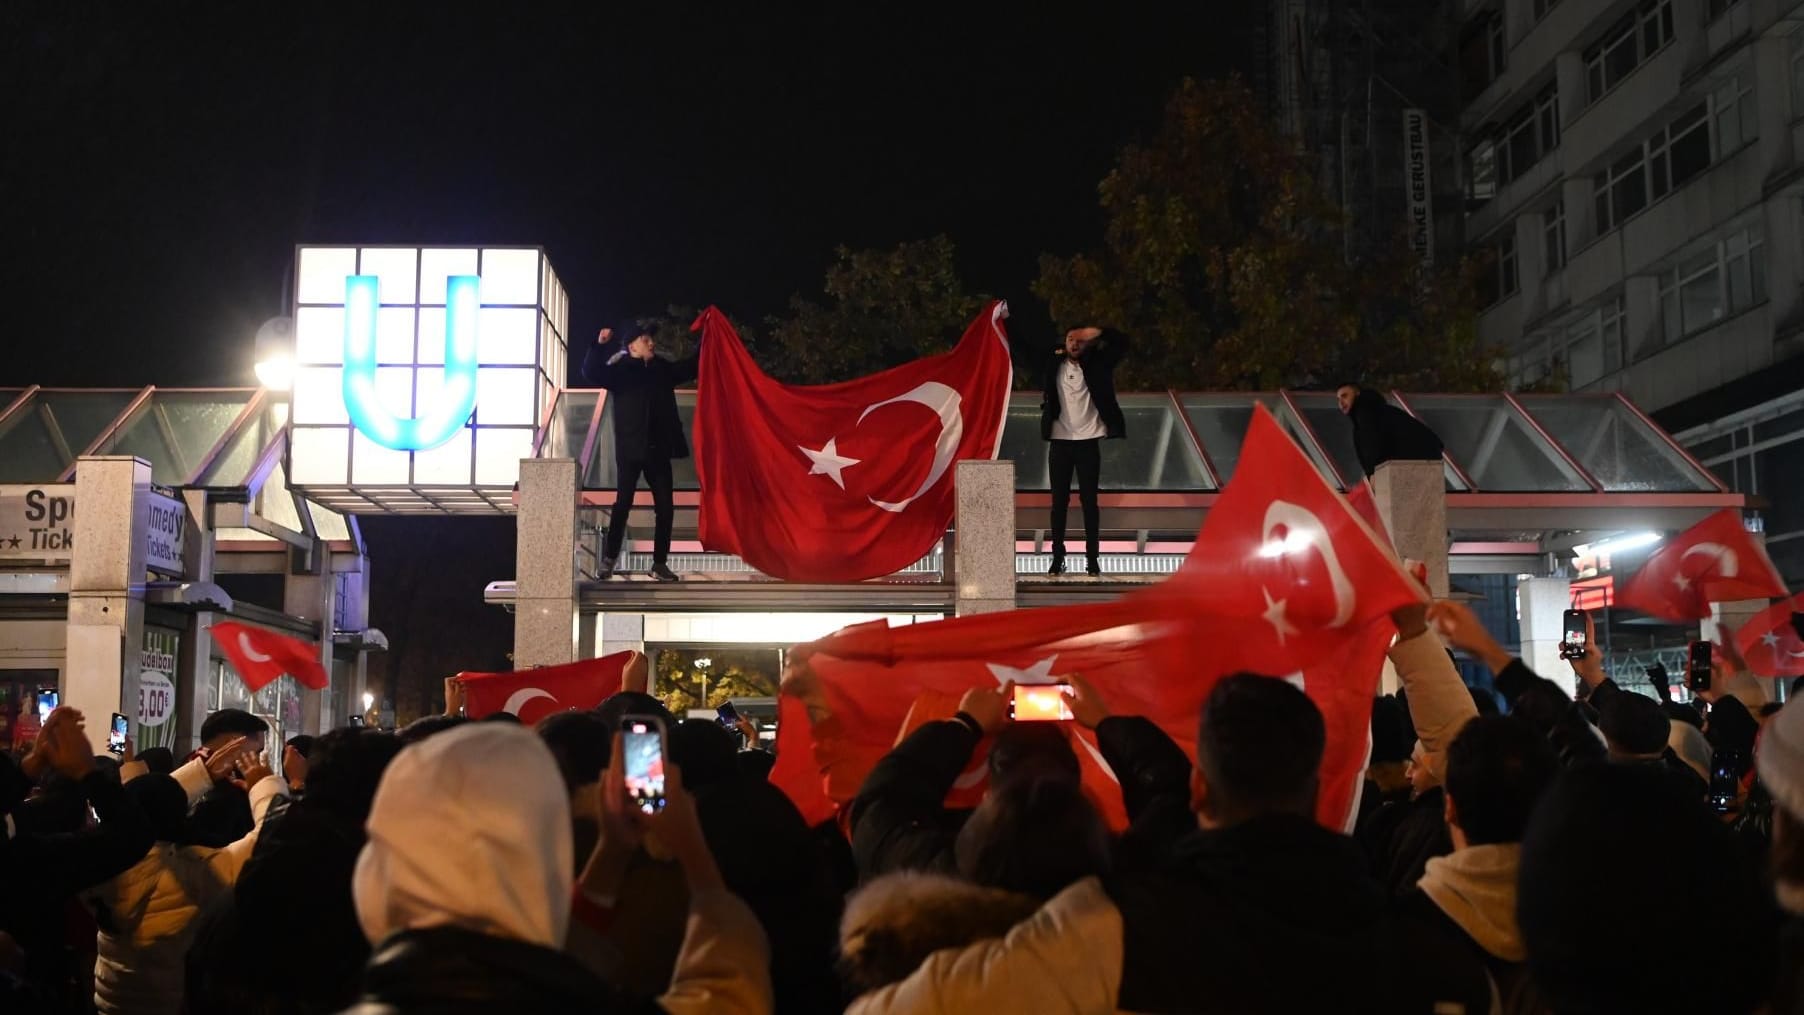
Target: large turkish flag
<point x="842" y="482"/>
<point x="261" y="655"/>
<point x="1769" y="640"/>
<point x="1285" y="580"/>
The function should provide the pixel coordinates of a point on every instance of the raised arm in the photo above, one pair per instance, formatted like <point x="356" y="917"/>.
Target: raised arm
<point x="895" y="817"/>
<point x="1439" y="703"/>
<point x="265" y="789"/>
<point x="602" y="362"/>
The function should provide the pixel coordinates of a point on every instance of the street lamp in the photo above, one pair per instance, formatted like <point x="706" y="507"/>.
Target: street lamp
<point x="702" y="664"/>
<point x="275" y="354"/>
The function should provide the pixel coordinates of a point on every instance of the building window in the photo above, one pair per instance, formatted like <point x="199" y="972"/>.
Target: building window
<point x="1627" y="45"/>
<point x="1591" y="347"/>
<point x="1553" y="231"/>
<point x="1662" y="163"/>
<point x="1481" y="173"/>
<point x="1612" y="326"/>
<point x="1723" y="280"/>
<point x="1499" y="278"/>
<point x="1717" y="8"/>
<point x="1531" y="134"/>
<point x="1529" y="367"/>
<point x="1541" y="7"/>
<point x="1733" y="103"/>
<point x="1481" y="52"/>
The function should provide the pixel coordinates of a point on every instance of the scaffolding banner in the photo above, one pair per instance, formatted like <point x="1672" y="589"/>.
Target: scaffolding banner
<point x="1418" y="184"/>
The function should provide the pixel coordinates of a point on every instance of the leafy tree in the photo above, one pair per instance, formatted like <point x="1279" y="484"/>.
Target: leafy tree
<point x="679" y="682"/>
<point x="1221" y="257"/>
<point x="881" y="308"/>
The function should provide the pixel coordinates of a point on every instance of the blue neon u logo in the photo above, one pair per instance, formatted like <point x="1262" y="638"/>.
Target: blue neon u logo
<point x="438" y="422"/>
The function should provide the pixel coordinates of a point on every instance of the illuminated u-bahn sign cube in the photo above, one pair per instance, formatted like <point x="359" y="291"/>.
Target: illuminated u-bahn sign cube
<point x="421" y="373"/>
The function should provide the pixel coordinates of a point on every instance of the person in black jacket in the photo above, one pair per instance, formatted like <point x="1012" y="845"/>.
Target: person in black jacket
<point x="648" y="433"/>
<point x="899" y="821"/>
<point x="222" y="815"/>
<point x="1078" y="410"/>
<point x="1384" y="433"/>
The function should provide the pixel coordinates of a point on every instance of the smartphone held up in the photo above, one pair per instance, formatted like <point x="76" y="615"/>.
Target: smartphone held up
<point x="1574" y="637"/>
<point x="115" y="738"/>
<point x="1697" y="667"/>
<point x="1039" y="703"/>
<point x="642" y="751"/>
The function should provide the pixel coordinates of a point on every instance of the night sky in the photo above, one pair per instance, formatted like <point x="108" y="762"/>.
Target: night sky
<point x="160" y="161"/>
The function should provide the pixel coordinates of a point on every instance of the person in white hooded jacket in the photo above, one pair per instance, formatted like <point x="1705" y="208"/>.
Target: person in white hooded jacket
<point x="465" y="889"/>
<point x="147" y="913"/>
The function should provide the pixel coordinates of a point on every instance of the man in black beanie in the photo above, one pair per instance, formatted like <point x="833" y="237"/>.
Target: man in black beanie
<point x="1637" y="731"/>
<point x="1618" y="854"/>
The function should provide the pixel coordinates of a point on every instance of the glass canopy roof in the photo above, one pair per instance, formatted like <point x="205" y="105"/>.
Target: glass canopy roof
<point x="1190" y="443"/>
<point x="227" y="440"/>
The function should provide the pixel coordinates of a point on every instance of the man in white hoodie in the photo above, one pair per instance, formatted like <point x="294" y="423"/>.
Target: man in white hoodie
<point x="1464" y="908"/>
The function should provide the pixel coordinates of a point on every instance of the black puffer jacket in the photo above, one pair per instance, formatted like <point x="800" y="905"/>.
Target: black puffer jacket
<point x="642" y="396"/>
<point x="449" y="971"/>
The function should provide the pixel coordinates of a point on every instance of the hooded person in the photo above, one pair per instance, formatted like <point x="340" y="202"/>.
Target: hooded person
<point x="1780" y="765"/>
<point x="1598" y="871"/>
<point x="465" y="887"/>
<point x="1384" y="433"/>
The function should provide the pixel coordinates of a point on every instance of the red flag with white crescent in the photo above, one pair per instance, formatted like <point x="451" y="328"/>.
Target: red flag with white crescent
<point x="261" y="655"/>
<point x="534" y="694"/>
<point x="1769" y="640"/>
<point x="849" y="481"/>
<point x="1714" y="561"/>
<point x="1285" y="580"/>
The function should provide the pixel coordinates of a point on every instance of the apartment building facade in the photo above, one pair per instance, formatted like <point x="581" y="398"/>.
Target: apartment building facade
<point x="1634" y="172"/>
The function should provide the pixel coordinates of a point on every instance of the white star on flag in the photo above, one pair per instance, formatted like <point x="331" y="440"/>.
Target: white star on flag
<point x="1038" y="673"/>
<point x="1682" y="582"/>
<point x="1274" y="615"/>
<point x="1770" y="640"/>
<point x="829" y="462"/>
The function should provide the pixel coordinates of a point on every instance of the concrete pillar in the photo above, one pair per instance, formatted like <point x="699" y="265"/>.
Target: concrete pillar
<point x="620" y="632"/>
<point x="311" y="598"/>
<point x="545" y="576"/>
<point x="588" y="635"/>
<point x="194" y="663"/>
<point x="106" y="590"/>
<point x="1541" y="605"/>
<point x="1569" y="84"/>
<point x="1581" y="213"/>
<point x="1412" y="500"/>
<point x="1641" y="310"/>
<point x="984" y="565"/>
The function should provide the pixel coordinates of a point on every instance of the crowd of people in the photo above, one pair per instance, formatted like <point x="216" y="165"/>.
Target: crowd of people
<point x="1523" y="850"/>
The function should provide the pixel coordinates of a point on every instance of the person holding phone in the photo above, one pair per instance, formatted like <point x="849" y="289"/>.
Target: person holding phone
<point x="1078" y="411"/>
<point x="467" y="900"/>
<point x="648" y="432"/>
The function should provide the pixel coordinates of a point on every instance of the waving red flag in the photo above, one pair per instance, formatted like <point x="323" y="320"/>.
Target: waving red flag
<point x="842" y="482"/>
<point x="534" y="694"/>
<point x="1714" y="561"/>
<point x="1284" y="580"/>
<point x="261" y="655"/>
<point x="1769" y="641"/>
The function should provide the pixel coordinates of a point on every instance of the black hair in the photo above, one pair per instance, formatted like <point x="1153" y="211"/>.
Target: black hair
<point x="346" y="765"/>
<point x="1259" y="746"/>
<point x="1035" y="834"/>
<point x="1391" y="736"/>
<point x="705" y="750"/>
<point x="302" y="744"/>
<point x="159" y="760"/>
<point x="503" y="717"/>
<point x="1028" y="748"/>
<point x="234" y="722"/>
<point x="1498" y="768"/>
<point x="163" y="802"/>
<point x="426" y="726"/>
<point x="621" y="704"/>
<point x="579" y="742"/>
<point x="1634" y="724"/>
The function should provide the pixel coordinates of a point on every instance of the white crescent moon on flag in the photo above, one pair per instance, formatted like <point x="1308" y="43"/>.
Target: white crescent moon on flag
<point x="1727" y="563"/>
<point x="244" y="645"/>
<point x="518" y="700"/>
<point x="1303" y="522"/>
<point x="945" y="402"/>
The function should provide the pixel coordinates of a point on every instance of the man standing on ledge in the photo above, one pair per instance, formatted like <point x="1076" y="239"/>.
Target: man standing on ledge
<point x="648" y="433"/>
<point x="1077" y="411"/>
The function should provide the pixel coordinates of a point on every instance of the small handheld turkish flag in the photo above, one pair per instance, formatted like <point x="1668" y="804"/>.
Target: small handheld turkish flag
<point x="1714" y="561"/>
<point x="534" y="694"/>
<point x="1769" y="640"/>
<point x="261" y="655"/>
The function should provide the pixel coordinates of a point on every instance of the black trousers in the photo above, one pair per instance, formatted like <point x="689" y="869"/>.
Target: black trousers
<point x="656" y="470"/>
<point x="1062" y="457"/>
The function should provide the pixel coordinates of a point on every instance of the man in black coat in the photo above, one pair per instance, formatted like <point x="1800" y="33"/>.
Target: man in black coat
<point x="1384" y="433"/>
<point x="648" y="432"/>
<point x="1078" y="410"/>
